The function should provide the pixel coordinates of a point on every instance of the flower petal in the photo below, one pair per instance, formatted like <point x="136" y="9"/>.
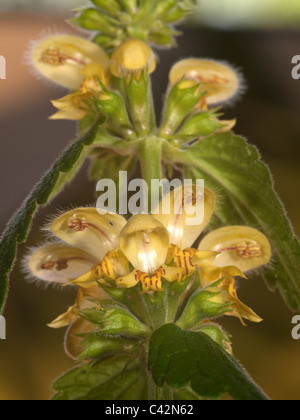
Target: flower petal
<point x="144" y="242"/>
<point x="185" y="213"/>
<point x="204" y="258"/>
<point x="238" y="309"/>
<point x="83" y="301"/>
<point x="62" y="58"/>
<point x="132" y="55"/>
<point x="172" y="274"/>
<point x="65" y="319"/>
<point x="130" y="280"/>
<point x="58" y="263"/>
<point x="86" y="229"/>
<point x="220" y="81"/>
<point x="240" y="246"/>
<point x="114" y="265"/>
<point x="210" y="274"/>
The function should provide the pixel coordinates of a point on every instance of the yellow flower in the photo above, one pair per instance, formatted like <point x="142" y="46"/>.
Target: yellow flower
<point x="227" y="286"/>
<point x="61" y="58"/>
<point x="87" y="237"/>
<point x="220" y="81"/>
<point x="241" y="246"/>
<point x="77" y="105"/>
<point x="148" y="248"/>
<point x="154" y="251"/>
<point x="145" y="242"/>
<point x="132" y="56"/>
<point x="226" y="252"/>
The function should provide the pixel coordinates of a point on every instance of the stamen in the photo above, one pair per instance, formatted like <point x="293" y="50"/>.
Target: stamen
<point x="79" y="224"/>
<point x="57" y="265"/>
<point x="55" y="57"/>
<point x="210" y="79"/>
<point x="244" y="250"/>
<point x="249" y="251"/>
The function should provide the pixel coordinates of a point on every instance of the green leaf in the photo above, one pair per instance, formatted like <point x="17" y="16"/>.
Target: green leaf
<point x="234" y="169"/>
<point x="117" y="378"/>
<point x="184" y="358"/>
<point x="51" y="183"/>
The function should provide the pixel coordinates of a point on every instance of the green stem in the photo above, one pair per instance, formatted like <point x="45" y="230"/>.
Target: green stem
<point x="150" y="151"/>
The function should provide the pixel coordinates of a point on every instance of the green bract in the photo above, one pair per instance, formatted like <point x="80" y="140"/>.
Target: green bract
<point x="150" y="21"/>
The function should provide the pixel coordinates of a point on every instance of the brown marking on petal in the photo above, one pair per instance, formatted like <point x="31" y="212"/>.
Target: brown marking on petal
<point x="249" y="251"/>
<point x="245" y="251"/>
<point x="61" y="265"/>
<point x="56" y="57"/>
<point x="98" y="270"/>
<point x="57" y="265"/>
<point x="48" y="265"/>
<point x="80" y="224"/>
<point x="209" y="79"/>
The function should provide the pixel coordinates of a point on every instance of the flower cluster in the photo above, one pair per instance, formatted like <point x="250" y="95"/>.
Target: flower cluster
<point x="97" y="251"/>
<point x="86" y="69"/>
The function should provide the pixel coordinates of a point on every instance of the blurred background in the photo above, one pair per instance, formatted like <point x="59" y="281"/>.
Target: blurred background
<point x="258" y="37"/>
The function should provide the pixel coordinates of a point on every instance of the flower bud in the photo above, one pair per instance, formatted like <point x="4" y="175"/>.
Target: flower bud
<point x="183" y="98"/>
<point x="240" y="246"/>
<point x="199" y="125"/>
<point x="129" y="5"/>
<point x="96" y="347"/>
<point x="208" y="303"/>
<point x="61" y="58"/>
<point x="132" y="56"/>
<point x="164" y="6"/>
<point x="220" y="81"/>
<point x="120" y="322"/>
<point x="114" y="107"/>
<point x="144" y="241"/>
<point x="112" y="6"/>
<point x="94" y="20"/>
